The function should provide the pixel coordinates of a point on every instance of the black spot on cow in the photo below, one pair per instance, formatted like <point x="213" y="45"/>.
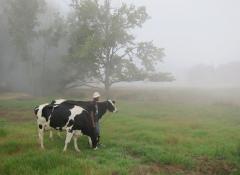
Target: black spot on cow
<point x="40" y="126"/>
<point x="70" y="123"/>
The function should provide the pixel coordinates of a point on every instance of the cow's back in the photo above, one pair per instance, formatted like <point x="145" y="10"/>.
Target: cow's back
<point x="60" y="116"/>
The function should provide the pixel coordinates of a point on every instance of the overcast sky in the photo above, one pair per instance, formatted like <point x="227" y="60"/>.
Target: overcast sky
<point x="191" y="31"/>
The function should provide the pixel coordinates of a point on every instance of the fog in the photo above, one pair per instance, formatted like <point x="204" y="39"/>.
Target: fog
<point x="201" y="43"/>
<point x="194" y="34"/>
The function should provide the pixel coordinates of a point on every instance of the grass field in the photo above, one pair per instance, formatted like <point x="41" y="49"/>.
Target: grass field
<point x="176" y="132"/>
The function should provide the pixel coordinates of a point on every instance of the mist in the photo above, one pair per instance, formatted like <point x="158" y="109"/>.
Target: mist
<point x="120" y="87"/>
<point x="45" y="59"/>
<point x="200" y="41"/>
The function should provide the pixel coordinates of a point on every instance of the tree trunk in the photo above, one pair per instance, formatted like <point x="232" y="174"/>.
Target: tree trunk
<point x="107" y="90"/>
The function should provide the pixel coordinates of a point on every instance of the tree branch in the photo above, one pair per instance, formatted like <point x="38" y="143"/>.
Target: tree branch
<point x="127" y="52"/>
<point x="84" y="84"/>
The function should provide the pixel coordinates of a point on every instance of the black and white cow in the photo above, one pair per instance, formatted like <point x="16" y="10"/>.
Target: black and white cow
<point x="103" y="107"/>
<point x="66" y="116"/>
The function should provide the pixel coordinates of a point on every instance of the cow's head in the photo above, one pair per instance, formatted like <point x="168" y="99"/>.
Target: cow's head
<point x="111" y="106"/>
<point x="95" y="141"/>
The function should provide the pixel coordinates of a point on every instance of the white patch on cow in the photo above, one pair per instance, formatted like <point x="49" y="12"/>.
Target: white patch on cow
<point x="59" y="101"/>
<point x="115" y="109"/>
<point x="76" y="110"/>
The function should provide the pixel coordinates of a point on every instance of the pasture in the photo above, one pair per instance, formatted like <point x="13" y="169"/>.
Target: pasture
<point x="162" y="131"/>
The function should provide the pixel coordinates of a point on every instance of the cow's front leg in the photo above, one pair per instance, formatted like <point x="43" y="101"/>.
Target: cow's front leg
<point x="68" y="139"/>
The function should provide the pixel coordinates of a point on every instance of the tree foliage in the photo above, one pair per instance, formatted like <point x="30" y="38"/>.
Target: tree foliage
<point x="103" y="46"/>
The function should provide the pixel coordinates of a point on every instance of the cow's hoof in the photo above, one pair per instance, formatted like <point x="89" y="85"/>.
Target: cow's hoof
<point x="96" y="148"/>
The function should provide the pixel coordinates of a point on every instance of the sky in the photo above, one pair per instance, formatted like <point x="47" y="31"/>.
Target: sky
<point x="191" y="31"/>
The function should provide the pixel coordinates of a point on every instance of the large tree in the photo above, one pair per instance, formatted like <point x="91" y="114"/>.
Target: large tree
<point x="103" y="47"/>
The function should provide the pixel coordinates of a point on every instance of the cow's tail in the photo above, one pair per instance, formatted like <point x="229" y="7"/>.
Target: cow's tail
<point x="36" y="110"/>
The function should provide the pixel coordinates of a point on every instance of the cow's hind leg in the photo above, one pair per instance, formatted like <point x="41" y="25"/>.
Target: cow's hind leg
<point x="68" y="139"/>
<point x="40" y="134"/>
<point x="75" y="137"/>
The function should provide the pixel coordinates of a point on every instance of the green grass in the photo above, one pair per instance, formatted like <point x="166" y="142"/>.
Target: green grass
<point x="145" y="137"/>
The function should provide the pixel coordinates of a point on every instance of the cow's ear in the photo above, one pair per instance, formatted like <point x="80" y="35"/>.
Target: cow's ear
<point x="113" y="102"/>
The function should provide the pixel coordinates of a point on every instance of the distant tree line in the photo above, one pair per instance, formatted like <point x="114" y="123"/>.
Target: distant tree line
<point x="42" y="50"/>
